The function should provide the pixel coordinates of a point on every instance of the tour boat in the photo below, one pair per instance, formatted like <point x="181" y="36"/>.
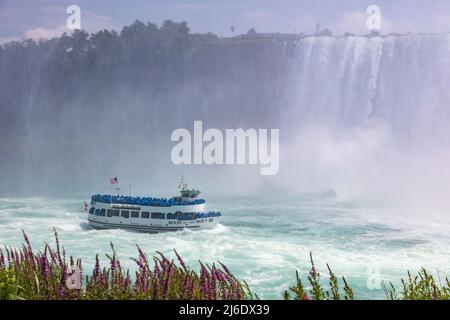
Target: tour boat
<point x="148" y="214"/>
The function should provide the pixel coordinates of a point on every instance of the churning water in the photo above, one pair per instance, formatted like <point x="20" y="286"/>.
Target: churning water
<point x="261" y="241"/>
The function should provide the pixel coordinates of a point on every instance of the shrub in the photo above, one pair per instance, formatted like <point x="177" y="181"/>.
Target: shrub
<point x="422" y="286"/>
<point x="317" y="290"/>
<point x="48" y="275"/>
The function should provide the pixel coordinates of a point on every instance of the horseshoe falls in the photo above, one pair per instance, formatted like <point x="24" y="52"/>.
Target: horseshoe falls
<point x="364" y="175"/>
<point x="370" y="116"/>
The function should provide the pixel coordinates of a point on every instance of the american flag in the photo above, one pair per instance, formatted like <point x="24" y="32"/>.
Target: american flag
<point x="114" y="180"/>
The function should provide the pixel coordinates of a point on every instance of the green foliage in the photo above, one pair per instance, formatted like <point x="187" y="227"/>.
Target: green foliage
<point x="422" y="286"/>
<point x="317" y="290"/>
<point x="8" y="285"/>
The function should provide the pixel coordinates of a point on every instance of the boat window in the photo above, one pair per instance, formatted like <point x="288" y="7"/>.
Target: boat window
<point x="145" y="215"/>
<point x="92" y="210"/>
<point x="125" y="214"/>
<point x="135" y="214"/>
<point x="171" y="216"/>
<point x="102" y="212"/>
<point x="186" y="216"/>
<point x="157" y="215"/>
<point x="112" y="213"/>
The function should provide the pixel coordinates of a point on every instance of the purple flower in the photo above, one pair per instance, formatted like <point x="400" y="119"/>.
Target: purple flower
<point x="43" y="266"/>
<point x="157" y="270"/>
<point x="213" y="284"/>
<point x="58" y="251"/>
<point x="170" y="272"/>
<point x="222" y="283"/>
<point x="225" y="268"/>
<point x="142" y="255"/>
<point x="113" y="264"/>
<point x="2" y="259"/>
<point x="155" y="288"/>
<point x="27" y="240"/>
<point x="181" y="261"/>
<point x="313" y="272"/>
<point x="96" y="271"/>
<point x="204" y="281"/>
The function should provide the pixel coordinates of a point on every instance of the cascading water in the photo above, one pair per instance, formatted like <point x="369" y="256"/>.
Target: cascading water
<point x="370" y="115"/>
<point x="348" y="81"/>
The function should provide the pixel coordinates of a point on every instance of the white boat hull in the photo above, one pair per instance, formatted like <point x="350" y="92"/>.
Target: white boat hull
<point x="151" y="219"/>
<point x="151" y="228"/>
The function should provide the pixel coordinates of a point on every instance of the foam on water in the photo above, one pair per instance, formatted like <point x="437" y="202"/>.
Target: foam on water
<point x="263" y="242"/>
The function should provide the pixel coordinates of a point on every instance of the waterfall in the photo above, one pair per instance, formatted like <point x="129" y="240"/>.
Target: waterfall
<point x="361" y="115"/>
<point x="370" y="115"/>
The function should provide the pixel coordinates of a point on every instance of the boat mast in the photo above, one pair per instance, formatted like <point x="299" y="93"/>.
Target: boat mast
<point x="182" y="185"/>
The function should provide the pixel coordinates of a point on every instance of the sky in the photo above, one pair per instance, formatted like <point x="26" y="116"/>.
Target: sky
<point x="47" y="18"/>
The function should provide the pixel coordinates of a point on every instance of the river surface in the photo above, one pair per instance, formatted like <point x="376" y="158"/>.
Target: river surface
<point x="261" y="241"/>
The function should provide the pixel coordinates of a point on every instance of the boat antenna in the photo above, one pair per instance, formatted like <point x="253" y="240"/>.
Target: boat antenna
<point x="182" y="185"/>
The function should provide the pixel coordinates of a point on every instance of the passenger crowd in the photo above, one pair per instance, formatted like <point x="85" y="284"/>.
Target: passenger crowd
<point x="145" y="201"/>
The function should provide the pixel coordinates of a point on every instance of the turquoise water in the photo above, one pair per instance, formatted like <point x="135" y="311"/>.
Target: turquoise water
<point x="261" y="241"/>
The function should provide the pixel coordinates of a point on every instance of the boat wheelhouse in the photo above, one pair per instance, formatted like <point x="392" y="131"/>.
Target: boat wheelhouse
<point x="152" y="214"/>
